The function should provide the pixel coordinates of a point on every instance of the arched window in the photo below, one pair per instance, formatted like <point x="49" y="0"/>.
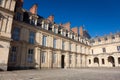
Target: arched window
<point x="96" y="60"/>
<point x="119" y="60"/>
<point x="111" y="60"/>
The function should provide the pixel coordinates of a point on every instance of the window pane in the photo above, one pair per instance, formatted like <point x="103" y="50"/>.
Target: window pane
<point x="63" y="45"/>
<point x="118" y="48"/>
<point x="43" y="57"/>
<point x="13" y="54"/>
<point x="54" y="43"/>
<point x="70" y="59"/>
<point x="104" y="50"/>
<point x="16" y="33"/>
<point x="30" y="55"/>
<point x="31" y="38"/>
<point x="54" y="58"/>
<point x="44" y="41"/>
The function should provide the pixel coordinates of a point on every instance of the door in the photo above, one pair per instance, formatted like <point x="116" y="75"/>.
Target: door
<point x="62" y="61"/>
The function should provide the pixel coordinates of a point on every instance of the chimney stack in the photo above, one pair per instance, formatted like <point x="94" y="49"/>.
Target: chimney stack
<point x="81" y="31"/>
<point x="67" y="26"/>
<point x="19" y="3"/>
<point x="33" y="9"/>
<point x="75" y="29"/>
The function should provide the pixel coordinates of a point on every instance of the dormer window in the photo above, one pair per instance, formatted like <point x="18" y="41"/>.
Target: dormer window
<point x="55" y="30"/>
<point x="106" y="38"/>
<point x="18" y="16"/>
<point x="46" y="26"/>
<point x="72" y="36"/>
<point x="33" y="21"/>
<point x="50" y="27"/>
<point x="99" y="40"/>
<point x="113" y="37"/>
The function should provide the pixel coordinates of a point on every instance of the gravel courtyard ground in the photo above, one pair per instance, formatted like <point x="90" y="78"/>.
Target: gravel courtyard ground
<point x="63" y="74"/>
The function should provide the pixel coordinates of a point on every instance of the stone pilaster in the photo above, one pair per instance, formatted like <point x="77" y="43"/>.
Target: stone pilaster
<point x="24" y="53"/>
<point x="50" y="59"/>
<point x="67" y="60"/>
<point x="74" y="60"/>
<point x="116" y="61"/>
<point x="59" y="59"/>
<point x="37" y="57"/>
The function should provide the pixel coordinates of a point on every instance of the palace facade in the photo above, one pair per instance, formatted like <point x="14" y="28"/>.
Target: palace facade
<point x="27" y="41"/>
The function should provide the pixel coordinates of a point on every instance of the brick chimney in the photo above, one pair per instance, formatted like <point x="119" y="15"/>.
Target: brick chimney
<point x="67" y="26"/>
<point x="75" y="29"/>
<point x="19" y="3"/>
<point x="81" y="31"/>
<point x="33" y="9"/>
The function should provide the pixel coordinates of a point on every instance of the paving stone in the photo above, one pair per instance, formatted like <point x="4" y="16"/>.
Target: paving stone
<point x="63" y="74"/>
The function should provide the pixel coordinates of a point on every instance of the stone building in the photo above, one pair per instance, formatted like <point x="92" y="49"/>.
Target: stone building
<point x="6" y="18"/>
<point x="31" y="41"/>
<point x="105" y="51"/>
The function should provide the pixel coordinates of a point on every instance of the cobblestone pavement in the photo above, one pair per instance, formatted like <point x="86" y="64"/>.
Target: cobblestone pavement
<point x="63" y="74"/>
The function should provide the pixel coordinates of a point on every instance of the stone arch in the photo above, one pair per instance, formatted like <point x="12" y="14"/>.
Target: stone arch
<point x="96" y="61"/>
<point x="111" y="60"/>
<point x="118" y="60"/>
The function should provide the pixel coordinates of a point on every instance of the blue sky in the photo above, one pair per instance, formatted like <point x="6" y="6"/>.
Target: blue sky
<point x="99" y="17"/>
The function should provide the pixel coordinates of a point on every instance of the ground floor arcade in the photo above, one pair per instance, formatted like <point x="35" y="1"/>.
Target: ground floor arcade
<point x="104" y="60"/>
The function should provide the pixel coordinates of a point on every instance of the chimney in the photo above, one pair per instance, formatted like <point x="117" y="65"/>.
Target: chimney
<point x="81" y="31"/>
<point x="33" y="9"/>
<point x="51" y="18"/>
<point x="19" y="3"/>
<point x="75" y="29"/>
<point x="67" y="26"/>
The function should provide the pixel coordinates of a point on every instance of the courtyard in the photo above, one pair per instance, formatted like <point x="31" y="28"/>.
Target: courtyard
<point x="63" y="74"/>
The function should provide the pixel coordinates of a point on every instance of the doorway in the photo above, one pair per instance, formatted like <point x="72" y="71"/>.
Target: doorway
<point x="62" y="61"/>
<point x="111" y="59"/>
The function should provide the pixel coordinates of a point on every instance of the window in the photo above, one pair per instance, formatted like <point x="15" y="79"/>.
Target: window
<point x="18" y="16"/>
<point x="99" y="40"/>
<point x="46" y="26"/>
<point x="118" y="48"/>
<point x="54" y="43"/>
<point x="16" y="34"/>
<point x="33" y="21"/>
<point x="43" y="57"/>
<point x="92" y="51"/>
<point x="89" y="61"/>
<point x="106" y="38"/>
<point x="113" y="37"/>
<point x="54" y="58"/>
<point x="104" y="50"/>
<point x="30" y="56"/>
<point x="70" y="58"/>
<point x="70" y="47"/>
<point x="55" y="30"/>
<point x="81" y="49"/>
<point x="76" y="57"/>
<point x="1" y="1"/>
<point x="44" y="40"/>
<point x="119" y="60"/>
<point x="103" y="62"/>
<point x="76" y="48"/>
<point x="13" y="54"/>
<point x="63" y="45"/>
<point x="32" y="38"/>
